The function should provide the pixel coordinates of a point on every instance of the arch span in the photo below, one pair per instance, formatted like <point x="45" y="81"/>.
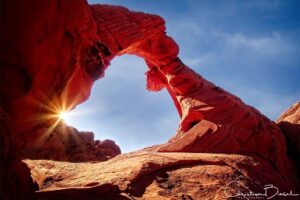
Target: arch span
<point x="212" y="120"/>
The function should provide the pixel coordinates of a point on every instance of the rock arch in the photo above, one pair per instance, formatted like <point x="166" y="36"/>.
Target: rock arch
<point x="212" y="120"/>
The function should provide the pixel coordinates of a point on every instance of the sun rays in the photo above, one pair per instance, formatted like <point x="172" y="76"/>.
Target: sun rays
<point x="55" y="112"/>
<point x="63" y="115"/>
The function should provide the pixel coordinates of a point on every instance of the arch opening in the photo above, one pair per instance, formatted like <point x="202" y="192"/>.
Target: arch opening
<point x="121" y="109"/>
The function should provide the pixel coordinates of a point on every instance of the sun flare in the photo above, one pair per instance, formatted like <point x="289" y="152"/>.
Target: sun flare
<point x="63" y="115"/>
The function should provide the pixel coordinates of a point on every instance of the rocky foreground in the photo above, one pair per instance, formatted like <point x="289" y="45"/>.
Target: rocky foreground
<point x="148" y="174"/>
<point x="152" y="175"/>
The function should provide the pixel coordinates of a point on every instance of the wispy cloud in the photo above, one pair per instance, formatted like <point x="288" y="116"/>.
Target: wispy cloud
<point x="269" y="103"/>
<point x="270" y="45"/>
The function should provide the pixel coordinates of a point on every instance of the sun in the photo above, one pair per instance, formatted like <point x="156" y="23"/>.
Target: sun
<point x="63" y="115"/>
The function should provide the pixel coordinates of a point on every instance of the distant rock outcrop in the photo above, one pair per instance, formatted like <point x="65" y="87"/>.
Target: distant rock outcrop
<point x="52" y="52"/>
<point x="289" y="123"/>
<point x="65" y="143"/>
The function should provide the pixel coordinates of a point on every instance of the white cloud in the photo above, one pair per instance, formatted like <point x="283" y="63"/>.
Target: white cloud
<point x="271" y="104"/>
<point x="269" y="45"/>
<point x="202" y="60"/>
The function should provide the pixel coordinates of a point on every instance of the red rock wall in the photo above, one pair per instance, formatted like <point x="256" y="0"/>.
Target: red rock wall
<point x="15" y="179"/>
<point x="42" y="47"/>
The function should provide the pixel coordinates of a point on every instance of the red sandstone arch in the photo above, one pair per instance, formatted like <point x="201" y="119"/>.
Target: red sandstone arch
<point x="212" y="120"/>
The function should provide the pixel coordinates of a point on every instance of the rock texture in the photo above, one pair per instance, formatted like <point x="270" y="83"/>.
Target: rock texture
<point x="289" y="123"/>
<point x="51" y="54"/>
<point x="212" y="120"/>
<point x="43" y="47"/>
<point x="65" y="143"/>
<point x="15" y="179"/>
<point x="152" y="175"/>
<point x="291" y="115"/>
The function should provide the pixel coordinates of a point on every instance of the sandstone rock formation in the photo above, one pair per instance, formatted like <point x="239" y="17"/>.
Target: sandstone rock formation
<point x="289" y="123"/>
<point x="15" y="179"/>
<point x="212" y="120"/>
<point x="152" y="175"/>
<point x="65" y="143"/>
<point x="42" y="48"/>
<point x="51" y="54"/>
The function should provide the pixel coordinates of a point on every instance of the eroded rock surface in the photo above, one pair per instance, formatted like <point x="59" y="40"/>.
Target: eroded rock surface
<point x="212" y="120"/>
<point x="15" y="179"/>
<point x="43" y="47"/>
<point x="152" y="175"/>
<point x="65" y="143"/>
<point x="289" y="123"/>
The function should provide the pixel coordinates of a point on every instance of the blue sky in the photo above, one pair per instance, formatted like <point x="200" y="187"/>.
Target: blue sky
<point x="249" y="48"/>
